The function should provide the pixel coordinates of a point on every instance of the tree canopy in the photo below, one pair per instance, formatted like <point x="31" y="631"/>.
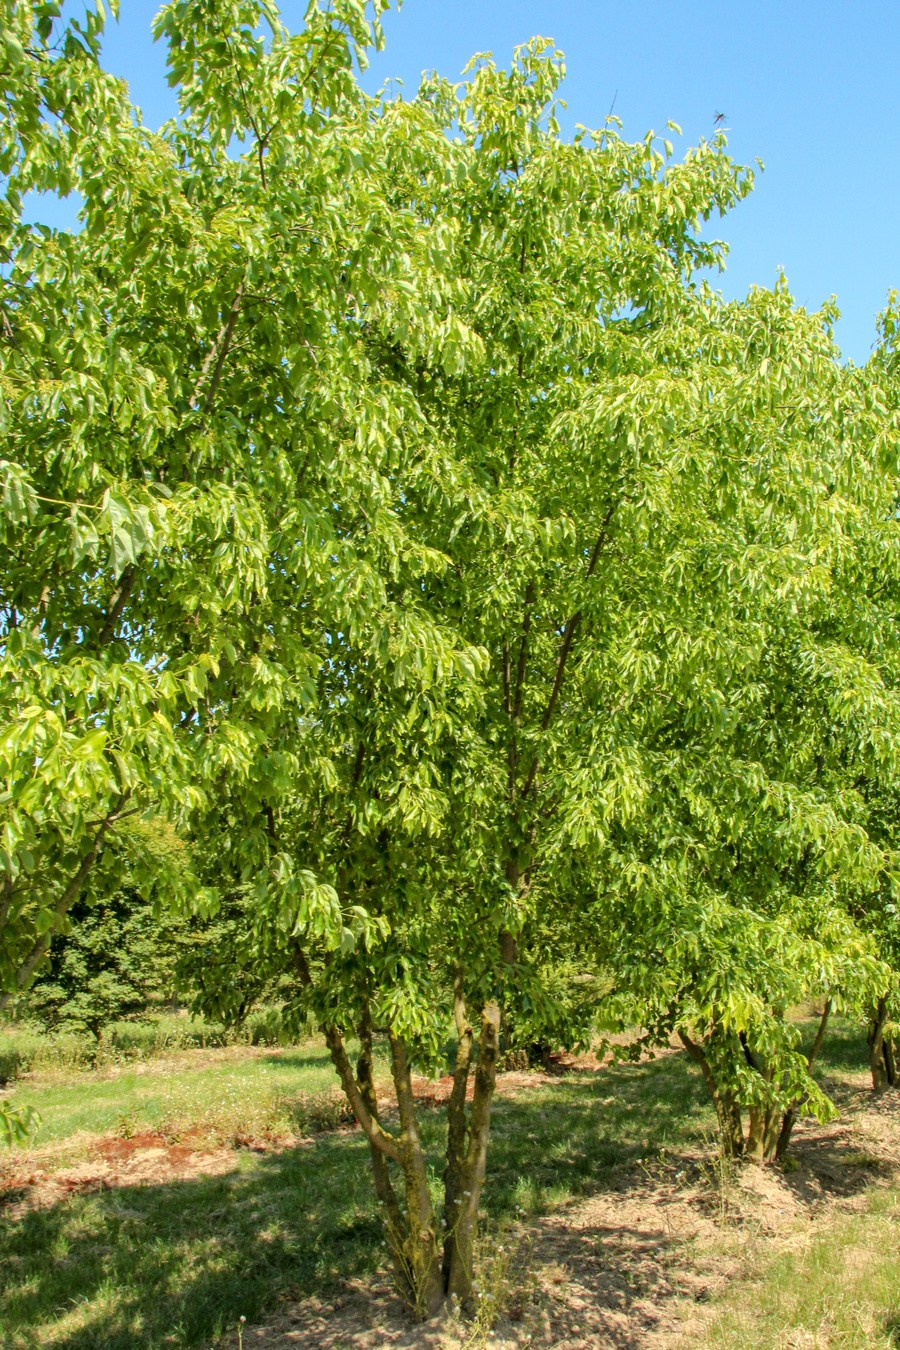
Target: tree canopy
<point x="391" y="504"/>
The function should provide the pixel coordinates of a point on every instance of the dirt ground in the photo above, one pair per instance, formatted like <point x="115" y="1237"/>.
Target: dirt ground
<point x="632" y="1268"/>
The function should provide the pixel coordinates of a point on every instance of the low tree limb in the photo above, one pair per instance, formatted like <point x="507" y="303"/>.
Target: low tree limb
<point x="374" y="1131"/>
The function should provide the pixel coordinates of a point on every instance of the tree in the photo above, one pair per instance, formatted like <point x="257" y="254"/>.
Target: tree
<point x="203" y="471"/>
<point x="391" y="506"/>
<point x="788" y="895"/>
<point x="118" y="958"/>
<point x="213" y="477"/>
<point x="647" y="475"/>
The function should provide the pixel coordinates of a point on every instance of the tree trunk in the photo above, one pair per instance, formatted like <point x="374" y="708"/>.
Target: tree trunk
<point x="790" y="1116"/>
<point x="762" y="1134"/>
<point x="877" y="1059"/>
<point x="457" y="1125"/>
<point x="459" y="1244"/>
<point x="387" y="1197"/>
<point x="761" y="1129"/>
<point x="728" y="1111"/>
<point x="419" y="1254"/>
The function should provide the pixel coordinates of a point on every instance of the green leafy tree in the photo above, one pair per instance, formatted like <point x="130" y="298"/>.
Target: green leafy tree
<point x="791" y="857"/>
<point x="391" y="505"/>
<point x="117" y="964"/>
<point x="203" y="470"/>
<point x="647" y="475"/>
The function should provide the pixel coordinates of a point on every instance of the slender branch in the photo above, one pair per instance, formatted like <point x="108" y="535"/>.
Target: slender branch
<point x="820" y="1035"/>
<point x="748" y="1053"/>
<point x="69" y="895"/>
<point x="226" y="343"/>
<point x="457" y="1126"/>
<point x="566" y="646"/>
<point x="301" y="964"/>
<point x="696" y="1053"/>
<point x="358" y="762"/>
<point x="6" y="906"/>
<point x="120" y="597"/>
<point x="523" y="651"/>
<point x="365" y="1077"/>
<point x="218" y="349"/>
<point x="789" y="1119"/>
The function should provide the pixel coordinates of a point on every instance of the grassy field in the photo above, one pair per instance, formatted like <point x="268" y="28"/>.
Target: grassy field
<point x="839" y="1289"/>
<point x="177" y="1263"/>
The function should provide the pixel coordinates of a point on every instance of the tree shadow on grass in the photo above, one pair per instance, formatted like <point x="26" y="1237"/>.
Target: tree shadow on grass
<point x="175" y="1264"/>
<point x="845" y="1049"/>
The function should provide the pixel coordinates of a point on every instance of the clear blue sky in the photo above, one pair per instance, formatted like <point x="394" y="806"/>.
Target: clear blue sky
<point x="812" y="89"/>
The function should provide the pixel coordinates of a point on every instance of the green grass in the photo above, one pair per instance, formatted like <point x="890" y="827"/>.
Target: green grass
<point x="173" y="1265"/>
<point x="838" y="1291"/>
<point x="176" y="1264"/>
<point x="24" y="1048"/>
<point x="244" y="1096"/>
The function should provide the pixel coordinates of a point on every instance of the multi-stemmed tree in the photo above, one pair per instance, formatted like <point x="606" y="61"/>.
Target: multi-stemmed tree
<point x="651" y="482"/>
<point x="391" y="505"/>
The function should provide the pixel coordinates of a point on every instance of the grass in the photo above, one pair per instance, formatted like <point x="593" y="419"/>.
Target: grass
<point x="254" y="1096"/>
<point x="838" y="1291"/>
<point x="174" y="1265"/>
<point x="24" y="1049"/>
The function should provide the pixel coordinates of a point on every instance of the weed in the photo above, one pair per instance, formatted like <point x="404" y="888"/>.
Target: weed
<point x="717" y="1171"/>
<point x="504" y="1281"/>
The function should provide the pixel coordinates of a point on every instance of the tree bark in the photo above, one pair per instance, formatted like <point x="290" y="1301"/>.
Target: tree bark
<point x="371" y="1126"/>
<point x="877" y="1059"/>
<point x="762" y="1133"/>
<point x="789" y="1119"/>
<point x="419" y="1254"/>
<point x="384" y="1189"/>
<point x="459" y="1248"/>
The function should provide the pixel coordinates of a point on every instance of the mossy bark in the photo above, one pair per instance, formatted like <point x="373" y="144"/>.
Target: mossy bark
<point x="466" y="1176"/>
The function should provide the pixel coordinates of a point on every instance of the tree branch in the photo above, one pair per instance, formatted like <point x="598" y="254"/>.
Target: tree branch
<point x="375" y="1132"/>
<point x="566" y="646"/>
<point x="69" y="895"/>
<point x="220" y="347"/>
<point x="120" y="597"/>
<point x="523" y="651"/>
